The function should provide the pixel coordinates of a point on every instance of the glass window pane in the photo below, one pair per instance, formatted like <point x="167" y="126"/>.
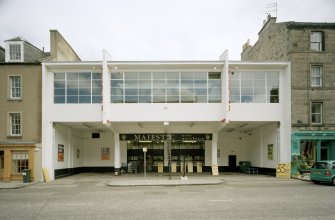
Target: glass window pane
<point x="72" y="84"/>
<point x="214" y="91"/>
<point x="59" y="99"/>
<point x="97" y="76"/>
<point x="158" y="99"/>
<point x="117" y="83"/>
<point x="116" y="99"/>
<point x="144" y="75"/>
<point x="172" y="83"/>
<point x="85" y="84"/>
<point x="200" y="99"/>
<point x="159" y="92"/>
<point x="72" y="91"/>
<point x="131" y="76"/>
<point x="214" y="75"/>
<point x="145" y="92"/>
<point x="96" y="99"/>
<point x="59" y="76"/>
<point x="172" y="92"/>
<point x="96" y="91"/>
<point x="144" y="84"/>
<point x="131" y="99"/>
<point x="186" y="76"/>
<point x="72" y="99"/>
<point x="158" y="84"/>
<point x="97" y="83"/>
<point x="186" y="92"/>
<point x="117" y="76"/>
<point x="172" y="99"/>
<point x="131" y="92"/>
<point x="144" y="99"/>
<point x="85" y="76"/>
<point x="214" y="99"/>
<point x="85" y="99"/>
<point x="85" y="91"/>
<point x="172" y="76"/>
<point x="59" y="91"/>
<point x="131" y="83"/>
<point x="59" y="84"/>
<point x="72" y="76"/>
<point x="234" y="98"/>
<point x="115" y="91"/>
<point x="200" y="76"/>
<point x="158" y="75"/>
<point x="200" y="83"/>
<point x="246" y="99"/>
<point x="187" y="99"/>
<point x="234" y="91"/>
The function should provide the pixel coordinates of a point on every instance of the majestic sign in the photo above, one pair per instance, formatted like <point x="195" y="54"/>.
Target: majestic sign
<point x="164" y="137"/>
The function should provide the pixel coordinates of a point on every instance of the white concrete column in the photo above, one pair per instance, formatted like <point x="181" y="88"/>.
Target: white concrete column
<point x="214" y="149"/>
<point x="117" y="154"/>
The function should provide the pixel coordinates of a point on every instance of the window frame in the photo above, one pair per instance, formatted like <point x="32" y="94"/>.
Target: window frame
<point x="10" y="124"/>
<point x="321" y="43"/>
<point x="24" y="162"/>
<point x="10" y="87"/>
<point x="321" y="112"/>
<point x="312" y="77"/>
<point x="8" y="51"/>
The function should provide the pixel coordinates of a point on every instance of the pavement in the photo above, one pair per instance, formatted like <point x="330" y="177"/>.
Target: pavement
<point x="151" y="179"/>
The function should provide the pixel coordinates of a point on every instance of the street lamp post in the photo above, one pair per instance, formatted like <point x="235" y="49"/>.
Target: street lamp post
<point x="145" y="162"/>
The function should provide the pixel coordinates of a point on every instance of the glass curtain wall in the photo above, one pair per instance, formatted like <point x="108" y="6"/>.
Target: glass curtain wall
<point x="254" y="87"/>
<point x="77" y="87"/>
<point x="161" y="87"/>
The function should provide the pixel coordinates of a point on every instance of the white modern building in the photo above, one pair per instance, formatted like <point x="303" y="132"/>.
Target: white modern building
<point x="98" y="116"/>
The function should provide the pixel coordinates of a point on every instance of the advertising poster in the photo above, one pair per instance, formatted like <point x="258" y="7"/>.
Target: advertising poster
<point x="105" y="153"/>
<point x="60" y="153"/>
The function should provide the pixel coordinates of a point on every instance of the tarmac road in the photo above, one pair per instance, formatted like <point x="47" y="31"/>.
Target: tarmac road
<point x="240" y="196"/>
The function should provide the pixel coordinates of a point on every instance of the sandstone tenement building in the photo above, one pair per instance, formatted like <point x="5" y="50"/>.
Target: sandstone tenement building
<point x="310" y="48"/>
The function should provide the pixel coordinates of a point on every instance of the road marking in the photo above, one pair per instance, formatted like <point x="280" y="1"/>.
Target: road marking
<point x="221" y="200"/>
<point x="74" y="204"/>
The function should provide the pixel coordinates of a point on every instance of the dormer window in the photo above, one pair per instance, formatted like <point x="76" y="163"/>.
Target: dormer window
<point x="14" y="51"/>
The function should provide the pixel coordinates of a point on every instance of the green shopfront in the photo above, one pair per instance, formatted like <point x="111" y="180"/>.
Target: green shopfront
<point x="310" y="146"/>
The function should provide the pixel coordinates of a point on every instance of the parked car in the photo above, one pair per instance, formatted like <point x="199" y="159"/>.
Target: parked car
<point x="323" y="171"/>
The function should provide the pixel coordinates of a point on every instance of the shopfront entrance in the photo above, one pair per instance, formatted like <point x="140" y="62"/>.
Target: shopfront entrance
<point x="174" y="152"/>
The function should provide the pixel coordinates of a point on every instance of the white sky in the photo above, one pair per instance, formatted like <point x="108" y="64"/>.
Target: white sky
<point x="152" y="29"/>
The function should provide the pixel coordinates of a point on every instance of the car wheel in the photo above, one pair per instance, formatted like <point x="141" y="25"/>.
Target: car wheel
<point x="333" y="181"/>
<point x="315" y="181"/>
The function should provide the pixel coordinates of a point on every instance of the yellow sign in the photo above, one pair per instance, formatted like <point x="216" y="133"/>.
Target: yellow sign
<point x="283" y="170"/>
<point x="46" y="174"/>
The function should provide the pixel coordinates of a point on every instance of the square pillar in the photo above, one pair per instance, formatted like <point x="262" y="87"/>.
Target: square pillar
<point x="214" y="149"/>
<point x="117" y="154"/>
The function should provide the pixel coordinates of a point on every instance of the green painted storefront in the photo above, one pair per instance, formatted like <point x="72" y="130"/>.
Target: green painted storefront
<point x="310" y="146"/>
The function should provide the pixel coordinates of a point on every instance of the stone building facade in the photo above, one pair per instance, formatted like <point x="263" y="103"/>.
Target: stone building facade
<point x="21" y="105"/>
<point x="310" y="47"/>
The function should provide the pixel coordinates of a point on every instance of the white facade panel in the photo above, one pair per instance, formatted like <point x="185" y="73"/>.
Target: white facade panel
<point x="255" y="112"/>
<point x="76" y="112"/>
<point x="167" y="112"/>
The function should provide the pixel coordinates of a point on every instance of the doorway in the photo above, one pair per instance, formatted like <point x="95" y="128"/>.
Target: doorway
<point x="232" y="163"/>
<point x="2" y="164"/>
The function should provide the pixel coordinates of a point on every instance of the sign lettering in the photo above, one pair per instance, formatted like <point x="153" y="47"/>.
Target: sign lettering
<point x="164" y="137"/>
